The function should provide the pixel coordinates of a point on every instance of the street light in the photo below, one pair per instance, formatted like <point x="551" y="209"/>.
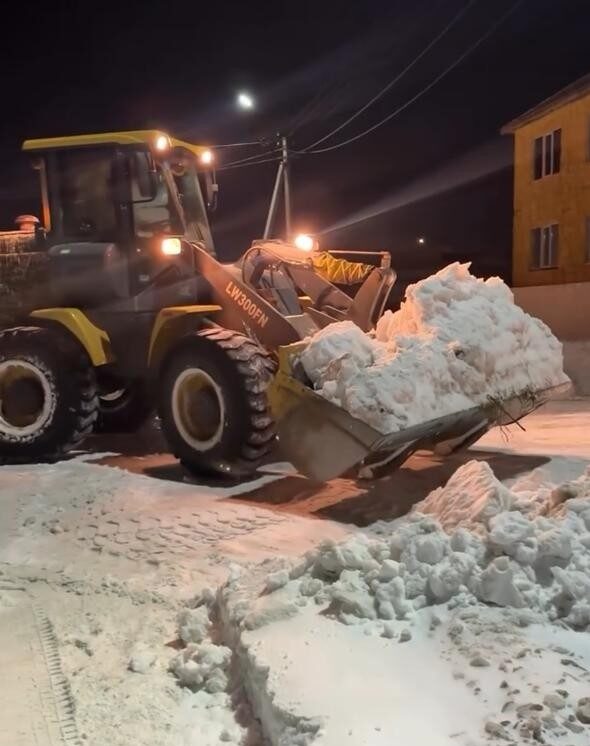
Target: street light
<point x="245" y="100"/>
<point x="421" y="241"/>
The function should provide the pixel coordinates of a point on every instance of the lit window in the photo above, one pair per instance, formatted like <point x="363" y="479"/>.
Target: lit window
<point x="547" y="155"/>
<point x="545" y="247"/>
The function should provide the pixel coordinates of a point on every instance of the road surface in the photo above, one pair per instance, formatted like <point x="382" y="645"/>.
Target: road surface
<point x="556" y="432"/>
<point x="96" y="562"/>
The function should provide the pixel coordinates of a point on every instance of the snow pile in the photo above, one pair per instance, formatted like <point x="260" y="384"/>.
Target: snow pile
<point x="471" y="497"/>
<point x="201" y="664"/>
<point x="455" y="341"/>
<point x="204" y="667"/>
<point x="472" y="541"/>
<point x="481" y="596"/>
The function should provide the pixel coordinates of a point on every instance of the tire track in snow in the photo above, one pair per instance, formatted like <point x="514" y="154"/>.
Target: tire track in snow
<point x="35" y="698"/>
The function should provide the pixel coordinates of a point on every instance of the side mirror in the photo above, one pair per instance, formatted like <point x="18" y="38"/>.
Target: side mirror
<point x="146" y="176"/>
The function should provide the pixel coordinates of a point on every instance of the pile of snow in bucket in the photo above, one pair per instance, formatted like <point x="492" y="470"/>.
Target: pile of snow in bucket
<point x="472" y="541"/>
<point x="455" y="341"/>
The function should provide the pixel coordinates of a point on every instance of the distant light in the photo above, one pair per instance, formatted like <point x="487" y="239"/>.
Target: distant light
<point x="421" y="240"/>
<point x="304" y="242"/>
<point x="245" y="100"/>
<point x="206" y="157"/>
<point x="171" y="246"/>
<point x="162" y="142"/>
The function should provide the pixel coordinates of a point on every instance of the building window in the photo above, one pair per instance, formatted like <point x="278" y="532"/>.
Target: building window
<point x="547" y="154"/>
<point x="545" y="247"/>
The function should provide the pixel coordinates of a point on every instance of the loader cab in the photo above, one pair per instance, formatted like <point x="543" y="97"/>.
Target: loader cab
<point x="115" y="208"/>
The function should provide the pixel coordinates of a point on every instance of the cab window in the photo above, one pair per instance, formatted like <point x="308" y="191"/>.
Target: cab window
<point x="157" y="216"/>
<point x="86" y="194"/>
<point x="191" y="198"/>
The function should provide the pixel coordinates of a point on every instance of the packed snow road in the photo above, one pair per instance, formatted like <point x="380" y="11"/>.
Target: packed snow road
<point x="97" y="563"/>
<point x="556" y="437"/>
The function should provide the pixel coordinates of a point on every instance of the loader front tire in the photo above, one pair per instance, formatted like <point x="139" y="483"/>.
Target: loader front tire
<point x="213" y="405"/>
<point x="48" y="400"/>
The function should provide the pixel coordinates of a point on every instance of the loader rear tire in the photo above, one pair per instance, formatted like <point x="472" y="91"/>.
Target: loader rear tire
<point x="213" y="405"/>
<point x="124" y="409"/>
<point x="48" y="400"/>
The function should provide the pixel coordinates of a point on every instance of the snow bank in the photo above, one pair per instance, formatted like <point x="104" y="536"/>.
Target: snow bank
<point x="455" y="341"/>
<point x="215" y="711"/>
<point x="481" y="597"/>
<point x="472" y="541"/>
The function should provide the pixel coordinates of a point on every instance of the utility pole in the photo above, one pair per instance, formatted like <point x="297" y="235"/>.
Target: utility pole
<point x="282" y="177"/>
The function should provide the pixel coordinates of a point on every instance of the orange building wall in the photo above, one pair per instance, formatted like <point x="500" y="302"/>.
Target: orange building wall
<point x="562" y="198"/>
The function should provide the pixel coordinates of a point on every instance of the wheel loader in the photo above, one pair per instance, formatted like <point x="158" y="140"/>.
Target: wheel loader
<point x="129" y="309"/>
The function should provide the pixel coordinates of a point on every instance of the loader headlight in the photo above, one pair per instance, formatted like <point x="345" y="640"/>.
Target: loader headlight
<point x="162" y="143"/>
<point x="305" y="242"/>
<point x="171" y="246"/>
<point x="206" y="157"/>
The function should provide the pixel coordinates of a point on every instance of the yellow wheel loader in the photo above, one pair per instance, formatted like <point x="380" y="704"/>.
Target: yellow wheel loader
<point x="124" y="307"/>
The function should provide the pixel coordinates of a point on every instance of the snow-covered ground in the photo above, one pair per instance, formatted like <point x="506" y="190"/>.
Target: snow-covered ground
<point x="177" y="622"/>
<point x="560" y="429"/>
<point x="452" y="677"/>
<point x="111" y="557"/>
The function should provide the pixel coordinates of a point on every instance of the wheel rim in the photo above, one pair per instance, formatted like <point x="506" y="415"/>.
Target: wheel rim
<point x="26" y="399"/>
<point x="198" y="408"/>
<point x="113" y="398"/>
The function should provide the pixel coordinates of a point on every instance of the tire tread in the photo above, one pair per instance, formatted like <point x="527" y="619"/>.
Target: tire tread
<point x="62" y="347"/>
<point x="254" y="369"/>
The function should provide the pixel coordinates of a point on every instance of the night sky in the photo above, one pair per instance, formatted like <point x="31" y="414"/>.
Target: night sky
<point x="439" y="169"/>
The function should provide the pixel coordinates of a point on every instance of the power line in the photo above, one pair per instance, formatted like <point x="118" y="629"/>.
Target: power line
<point x="308" y="109"/>
<point x="236" y="144"/>
<point x="249" y="158"/>
<point x="313" y="107"/>
<point x="424" y="90"/>
<point x="453" y="22"/>
<point x="252" y="163"/>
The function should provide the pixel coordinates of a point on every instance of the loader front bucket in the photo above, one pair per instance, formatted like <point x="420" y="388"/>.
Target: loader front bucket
<point x="323" y="441"/>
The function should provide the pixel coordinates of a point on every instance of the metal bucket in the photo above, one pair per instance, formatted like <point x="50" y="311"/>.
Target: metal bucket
<point x="323" y="441"/>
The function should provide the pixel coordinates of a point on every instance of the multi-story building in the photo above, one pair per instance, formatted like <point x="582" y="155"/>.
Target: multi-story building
<point x="551" y="233"/>
<point x="552" y="189"/>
